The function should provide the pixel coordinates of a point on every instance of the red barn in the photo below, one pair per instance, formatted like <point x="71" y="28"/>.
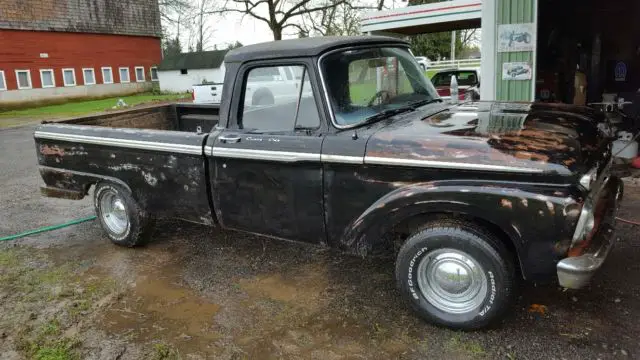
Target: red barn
<point x="51" y="49"/>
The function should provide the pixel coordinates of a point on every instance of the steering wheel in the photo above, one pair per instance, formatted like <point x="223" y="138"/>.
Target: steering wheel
<point x="382" y="95"/>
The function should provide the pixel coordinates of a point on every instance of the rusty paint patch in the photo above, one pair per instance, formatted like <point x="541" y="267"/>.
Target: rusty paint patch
<point x="552" y="209"/>
<point x="61" y="193"/>
<point x="51" y="150"/>
<point x="506" y="203"/>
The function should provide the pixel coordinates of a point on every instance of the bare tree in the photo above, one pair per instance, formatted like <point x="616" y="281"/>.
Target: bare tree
<point x="196" y="22"/>
<point x="172" y="11"/>
<point x="469" y="37"/>
<point x="341" y="19"/>
<point x="280" y="14"/>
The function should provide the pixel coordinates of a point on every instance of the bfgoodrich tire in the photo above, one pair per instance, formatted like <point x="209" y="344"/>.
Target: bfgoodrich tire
<point x="122" y="219"/>
<point x="456" y="274"/>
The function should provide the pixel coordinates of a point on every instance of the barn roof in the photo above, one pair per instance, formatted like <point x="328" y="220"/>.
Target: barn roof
<point x="194" y="60"/>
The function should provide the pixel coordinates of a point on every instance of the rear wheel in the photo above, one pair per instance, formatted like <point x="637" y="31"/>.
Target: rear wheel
<point x="262" y="97"/>
<point x="122" y="219"/>
<point x="456" y="274"/>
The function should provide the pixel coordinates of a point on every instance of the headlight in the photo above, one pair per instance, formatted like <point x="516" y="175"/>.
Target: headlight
<point x="589" y="224"/>
<point x="588" y="179"/>
<point x="586" y="224"/>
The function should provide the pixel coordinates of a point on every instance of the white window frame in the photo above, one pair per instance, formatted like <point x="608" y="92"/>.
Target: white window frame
<point x="102" y="69"/>
<point x="84" y="78"/>
<point x="151" y="73"/>
<point x="4" y="81"/>
<point x="144" y="78"/>
<point x="128" y="75"/>
<point x="28" y="77"/>
<point x="53" y="78"/>
<point x="64" y="78"/>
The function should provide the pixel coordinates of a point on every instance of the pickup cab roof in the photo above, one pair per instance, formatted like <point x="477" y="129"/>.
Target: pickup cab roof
<point x="304" y="47"/>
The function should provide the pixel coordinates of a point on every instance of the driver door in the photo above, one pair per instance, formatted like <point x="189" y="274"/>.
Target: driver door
<point x="267" y="175"/>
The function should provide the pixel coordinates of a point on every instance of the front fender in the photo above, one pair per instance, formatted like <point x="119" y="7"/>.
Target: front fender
<point x="539" y="222"/>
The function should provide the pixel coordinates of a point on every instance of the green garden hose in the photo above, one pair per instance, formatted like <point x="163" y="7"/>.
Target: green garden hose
<point x="47" y="228"/>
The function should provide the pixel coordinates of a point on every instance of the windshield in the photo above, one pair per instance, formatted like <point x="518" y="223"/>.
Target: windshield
<point x="465" y="78"/>
<point x="365" y="82"/>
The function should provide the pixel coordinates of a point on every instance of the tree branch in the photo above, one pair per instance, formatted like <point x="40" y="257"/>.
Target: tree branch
<point x="319" y="8"/>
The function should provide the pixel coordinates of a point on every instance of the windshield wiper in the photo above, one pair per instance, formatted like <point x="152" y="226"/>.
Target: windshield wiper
<point x="417" y="104"/>
<point x="385" y="114"/>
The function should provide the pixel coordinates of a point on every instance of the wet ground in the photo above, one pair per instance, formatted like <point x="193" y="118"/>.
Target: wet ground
<point x="200" y="293"/>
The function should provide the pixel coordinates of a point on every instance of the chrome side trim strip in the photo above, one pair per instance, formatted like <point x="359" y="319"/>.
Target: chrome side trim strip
<point x="208" y="150"/>
<point x="341" y="159"/>
<point x="133" y="144"/>
<point x="267" y="155"/>
<point x="373" y="160"/>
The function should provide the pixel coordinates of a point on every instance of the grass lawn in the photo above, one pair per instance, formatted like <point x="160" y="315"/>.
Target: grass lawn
<point x="22" y="116"/>
<point x="362" y="93"/>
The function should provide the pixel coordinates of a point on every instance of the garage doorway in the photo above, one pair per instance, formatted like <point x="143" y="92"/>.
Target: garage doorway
<point x="587" y="48"/>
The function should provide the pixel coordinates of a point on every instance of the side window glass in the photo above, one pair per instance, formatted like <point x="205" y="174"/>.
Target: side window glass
<point x="287" y="71"/>
<point x="308" y="117"/>
<point x="272" y="104"/>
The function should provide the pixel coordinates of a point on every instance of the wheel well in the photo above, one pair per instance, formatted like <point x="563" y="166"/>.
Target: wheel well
<point x="396" y="236"/>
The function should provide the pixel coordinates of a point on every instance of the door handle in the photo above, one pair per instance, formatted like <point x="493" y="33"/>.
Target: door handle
<point x="229" y="139"/>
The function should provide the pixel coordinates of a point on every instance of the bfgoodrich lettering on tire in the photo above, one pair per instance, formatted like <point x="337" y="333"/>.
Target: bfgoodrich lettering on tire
<point x="456" y="274"/>
<point x="122" y="219"/>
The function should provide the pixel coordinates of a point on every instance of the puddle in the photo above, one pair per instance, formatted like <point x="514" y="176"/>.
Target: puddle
<point x="156" y="307"/>
<point x="304" y="288"/>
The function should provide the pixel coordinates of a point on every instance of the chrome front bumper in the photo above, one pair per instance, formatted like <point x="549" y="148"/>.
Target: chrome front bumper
<point x="576" y="272"/>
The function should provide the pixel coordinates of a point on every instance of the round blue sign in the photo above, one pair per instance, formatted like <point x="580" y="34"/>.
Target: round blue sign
<point x="621" y="71"/>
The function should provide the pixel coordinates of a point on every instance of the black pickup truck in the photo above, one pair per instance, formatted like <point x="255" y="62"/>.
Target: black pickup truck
<point x="359" y="153"/>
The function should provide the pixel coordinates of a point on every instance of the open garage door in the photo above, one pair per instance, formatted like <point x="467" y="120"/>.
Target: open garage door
<point x="587" y="49"/>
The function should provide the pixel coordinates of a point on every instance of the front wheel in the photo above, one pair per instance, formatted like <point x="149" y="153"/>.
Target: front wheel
<point x="122" y="219"/>
<point x="456" y="274"/>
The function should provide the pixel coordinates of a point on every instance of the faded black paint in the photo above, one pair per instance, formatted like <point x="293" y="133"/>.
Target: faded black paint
<point x="349" y="205"/>
<point x="549" y="138"/>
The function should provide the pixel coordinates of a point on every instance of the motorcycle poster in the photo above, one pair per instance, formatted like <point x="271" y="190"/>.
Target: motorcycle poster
<point x="516" y="37"/>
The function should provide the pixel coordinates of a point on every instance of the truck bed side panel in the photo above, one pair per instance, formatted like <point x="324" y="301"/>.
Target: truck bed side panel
<point x="164" y="170"/>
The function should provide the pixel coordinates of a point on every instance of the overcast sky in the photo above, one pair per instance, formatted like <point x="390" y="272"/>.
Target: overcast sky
<point x="232" y="27"/>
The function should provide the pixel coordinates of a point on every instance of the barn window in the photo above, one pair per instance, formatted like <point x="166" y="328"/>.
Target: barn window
<point x="89" y="76"/>
<point x="47" y="79"/>
<point x="154" y="74"/>
<point x="107" y="75"/>
<point x="140" y="74"/>
<point x="124" y="75"/>
<point x="3" y="83"/>
<point x="69" y="77"/>
<point x="24" y="79"/>
<point x="184" y="71"/>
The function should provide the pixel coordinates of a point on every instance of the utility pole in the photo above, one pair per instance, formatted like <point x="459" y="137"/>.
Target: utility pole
<point x="453" y="45"/>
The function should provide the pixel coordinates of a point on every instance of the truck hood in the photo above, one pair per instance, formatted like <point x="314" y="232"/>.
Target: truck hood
<point x="514" y="137"/>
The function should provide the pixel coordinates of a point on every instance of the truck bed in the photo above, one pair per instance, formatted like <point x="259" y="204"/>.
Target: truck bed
<point x="156" y="152"/>
<point x="176" y="117"/>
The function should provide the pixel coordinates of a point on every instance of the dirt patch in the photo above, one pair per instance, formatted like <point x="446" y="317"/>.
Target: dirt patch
<point x="201" y="293"/>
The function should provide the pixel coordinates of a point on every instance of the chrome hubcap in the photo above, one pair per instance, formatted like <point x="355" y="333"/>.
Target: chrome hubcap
<point x="114" y="213"/>
<point x="452" y="281"/>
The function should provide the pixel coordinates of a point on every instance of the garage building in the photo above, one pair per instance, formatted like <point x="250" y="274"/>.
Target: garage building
<point x="571" y="51"/>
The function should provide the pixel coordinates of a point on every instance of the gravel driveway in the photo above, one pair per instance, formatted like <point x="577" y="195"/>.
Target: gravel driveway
<point x="197" y="293"/>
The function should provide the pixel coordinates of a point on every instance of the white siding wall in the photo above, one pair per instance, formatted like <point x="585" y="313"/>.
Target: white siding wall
<point x="173" y="81"/>
<point x="98" y="90"/>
